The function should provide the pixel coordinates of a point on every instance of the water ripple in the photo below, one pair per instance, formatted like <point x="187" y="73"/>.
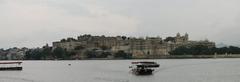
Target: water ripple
<point x="15" y="79"/>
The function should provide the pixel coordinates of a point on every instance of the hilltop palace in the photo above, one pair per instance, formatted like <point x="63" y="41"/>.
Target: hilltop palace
<point x="149" y="47"/>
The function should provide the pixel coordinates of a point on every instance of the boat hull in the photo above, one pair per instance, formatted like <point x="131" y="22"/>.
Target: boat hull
<point x="143" y="72"/>
<point x="10" y="68"/>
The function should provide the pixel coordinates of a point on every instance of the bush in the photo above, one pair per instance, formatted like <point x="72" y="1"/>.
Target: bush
<point x="204" y="50"/>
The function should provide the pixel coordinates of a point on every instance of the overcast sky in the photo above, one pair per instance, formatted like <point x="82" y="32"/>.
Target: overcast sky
<point x="33" y="23"/>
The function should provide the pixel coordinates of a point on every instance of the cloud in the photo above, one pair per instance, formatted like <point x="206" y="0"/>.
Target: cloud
<point x="33" y="23"/>
<point x="200" y="18"/>
<point x="38" y="23"/>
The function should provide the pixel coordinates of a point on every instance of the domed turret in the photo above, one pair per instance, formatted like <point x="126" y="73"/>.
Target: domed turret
<point x="178" y="34"/>
<point x="186" y="34"/>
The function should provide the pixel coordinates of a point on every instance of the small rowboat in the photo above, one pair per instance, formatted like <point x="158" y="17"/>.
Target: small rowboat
<point x="143" y="68"/>
<point x="10" y="66"/>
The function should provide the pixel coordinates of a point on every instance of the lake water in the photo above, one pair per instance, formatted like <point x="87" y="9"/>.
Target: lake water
<point x="171" y="70"/>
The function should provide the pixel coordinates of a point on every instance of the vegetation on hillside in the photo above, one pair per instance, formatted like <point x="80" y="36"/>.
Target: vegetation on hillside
<point x="204" y="50"/>
<point x="48" y="53"/>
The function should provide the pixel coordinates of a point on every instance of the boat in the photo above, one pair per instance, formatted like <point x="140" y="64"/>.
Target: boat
<point x="10" y="66"/>
<point x="144" y="68"/>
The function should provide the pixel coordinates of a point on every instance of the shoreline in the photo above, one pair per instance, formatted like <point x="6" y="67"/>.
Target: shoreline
<point x="154" y="58"/>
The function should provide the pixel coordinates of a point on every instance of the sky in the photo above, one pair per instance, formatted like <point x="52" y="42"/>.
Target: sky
<point x="34" y="23"/>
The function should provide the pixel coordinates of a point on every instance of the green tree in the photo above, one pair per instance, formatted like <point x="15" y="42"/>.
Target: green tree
<point x="122" y="54"/>
<point x="79" y="48"/>
<point x="182" y="50"/>
<point x="33" y="54"/>
<point x="104" y="55"/>
<point x="91" y="54"/>
<point x="104" y="47"/>
<point x="60" y="53"/>
<point x="234" y="50"/>
<point x="47" y="52"/>
<point x="193" y="50"/>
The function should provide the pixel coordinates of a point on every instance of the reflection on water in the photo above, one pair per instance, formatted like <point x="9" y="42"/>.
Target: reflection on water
<point x="171" y="70"/>
<point x="106" y="79"/>
<point x="15" y="79"/>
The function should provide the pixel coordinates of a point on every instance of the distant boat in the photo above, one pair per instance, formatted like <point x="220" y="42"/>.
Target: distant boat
<point x="143" y="68"/>
<point x="10" y="66"/>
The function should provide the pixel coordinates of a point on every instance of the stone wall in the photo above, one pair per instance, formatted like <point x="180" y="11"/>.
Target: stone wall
<point x="139" y="47"/>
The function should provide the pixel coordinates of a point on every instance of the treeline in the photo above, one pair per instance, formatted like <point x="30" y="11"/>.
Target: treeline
<point x="48" y="53"/>
<point x="104" y="54"/>
<point x="204" y="50"/>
